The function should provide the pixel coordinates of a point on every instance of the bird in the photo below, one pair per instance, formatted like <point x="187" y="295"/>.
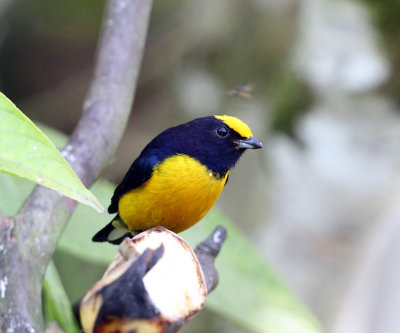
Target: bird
<point x="177" y="177"/>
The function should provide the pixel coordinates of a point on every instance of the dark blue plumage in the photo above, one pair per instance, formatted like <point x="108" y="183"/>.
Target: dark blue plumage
<point x="197" y="138"/>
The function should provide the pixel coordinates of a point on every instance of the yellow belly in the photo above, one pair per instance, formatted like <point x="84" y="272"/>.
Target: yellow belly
<point x="178" y="195"/>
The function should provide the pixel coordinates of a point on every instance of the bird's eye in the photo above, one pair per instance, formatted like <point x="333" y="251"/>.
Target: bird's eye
<point x="222" y="131"/>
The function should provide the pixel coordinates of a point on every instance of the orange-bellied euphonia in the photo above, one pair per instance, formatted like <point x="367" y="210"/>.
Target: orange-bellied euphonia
<point x="177" y="177"/>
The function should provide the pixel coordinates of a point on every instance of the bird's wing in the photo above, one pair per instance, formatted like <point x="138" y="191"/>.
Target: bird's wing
<point x="140" y="171"/>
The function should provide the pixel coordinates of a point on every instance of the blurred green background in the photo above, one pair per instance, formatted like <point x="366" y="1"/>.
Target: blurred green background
<point x="324" y="76"/>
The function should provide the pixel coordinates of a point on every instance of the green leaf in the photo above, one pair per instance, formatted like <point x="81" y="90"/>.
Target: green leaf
<point x="56" y="304"/>
<point x="27" y="153"/>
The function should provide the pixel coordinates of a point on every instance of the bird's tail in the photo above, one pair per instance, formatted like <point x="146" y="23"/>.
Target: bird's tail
<point x="114" y="232"/>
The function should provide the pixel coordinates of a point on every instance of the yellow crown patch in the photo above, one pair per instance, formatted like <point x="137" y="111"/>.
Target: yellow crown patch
<point x="237" y="125"/>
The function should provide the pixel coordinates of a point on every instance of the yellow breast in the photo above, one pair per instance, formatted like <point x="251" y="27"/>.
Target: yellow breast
<point x="178" y="194"/>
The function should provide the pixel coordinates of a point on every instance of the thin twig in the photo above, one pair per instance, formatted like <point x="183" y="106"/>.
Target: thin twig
<point x="43" y="216"/>
<point x="207" y="251"/>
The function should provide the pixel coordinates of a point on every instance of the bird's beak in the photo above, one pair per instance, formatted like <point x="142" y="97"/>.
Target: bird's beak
<point x="250" y="143"/>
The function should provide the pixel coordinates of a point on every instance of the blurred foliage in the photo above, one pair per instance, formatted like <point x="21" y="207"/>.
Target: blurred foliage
<point x="62" y="19"/>
<point x="292" y="98"/>
<point x="57" y="42"/>
<point x="385" y="15"/>
<point x="237" y="42"/>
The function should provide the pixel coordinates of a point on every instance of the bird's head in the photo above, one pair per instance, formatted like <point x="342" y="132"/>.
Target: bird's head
<point x="215" y="141"/>
<point x="237" y="133"/>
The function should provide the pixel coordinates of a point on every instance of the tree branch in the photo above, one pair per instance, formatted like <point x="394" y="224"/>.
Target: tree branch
<point x="40" y="221"/>
<point x="105" y="113"/>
